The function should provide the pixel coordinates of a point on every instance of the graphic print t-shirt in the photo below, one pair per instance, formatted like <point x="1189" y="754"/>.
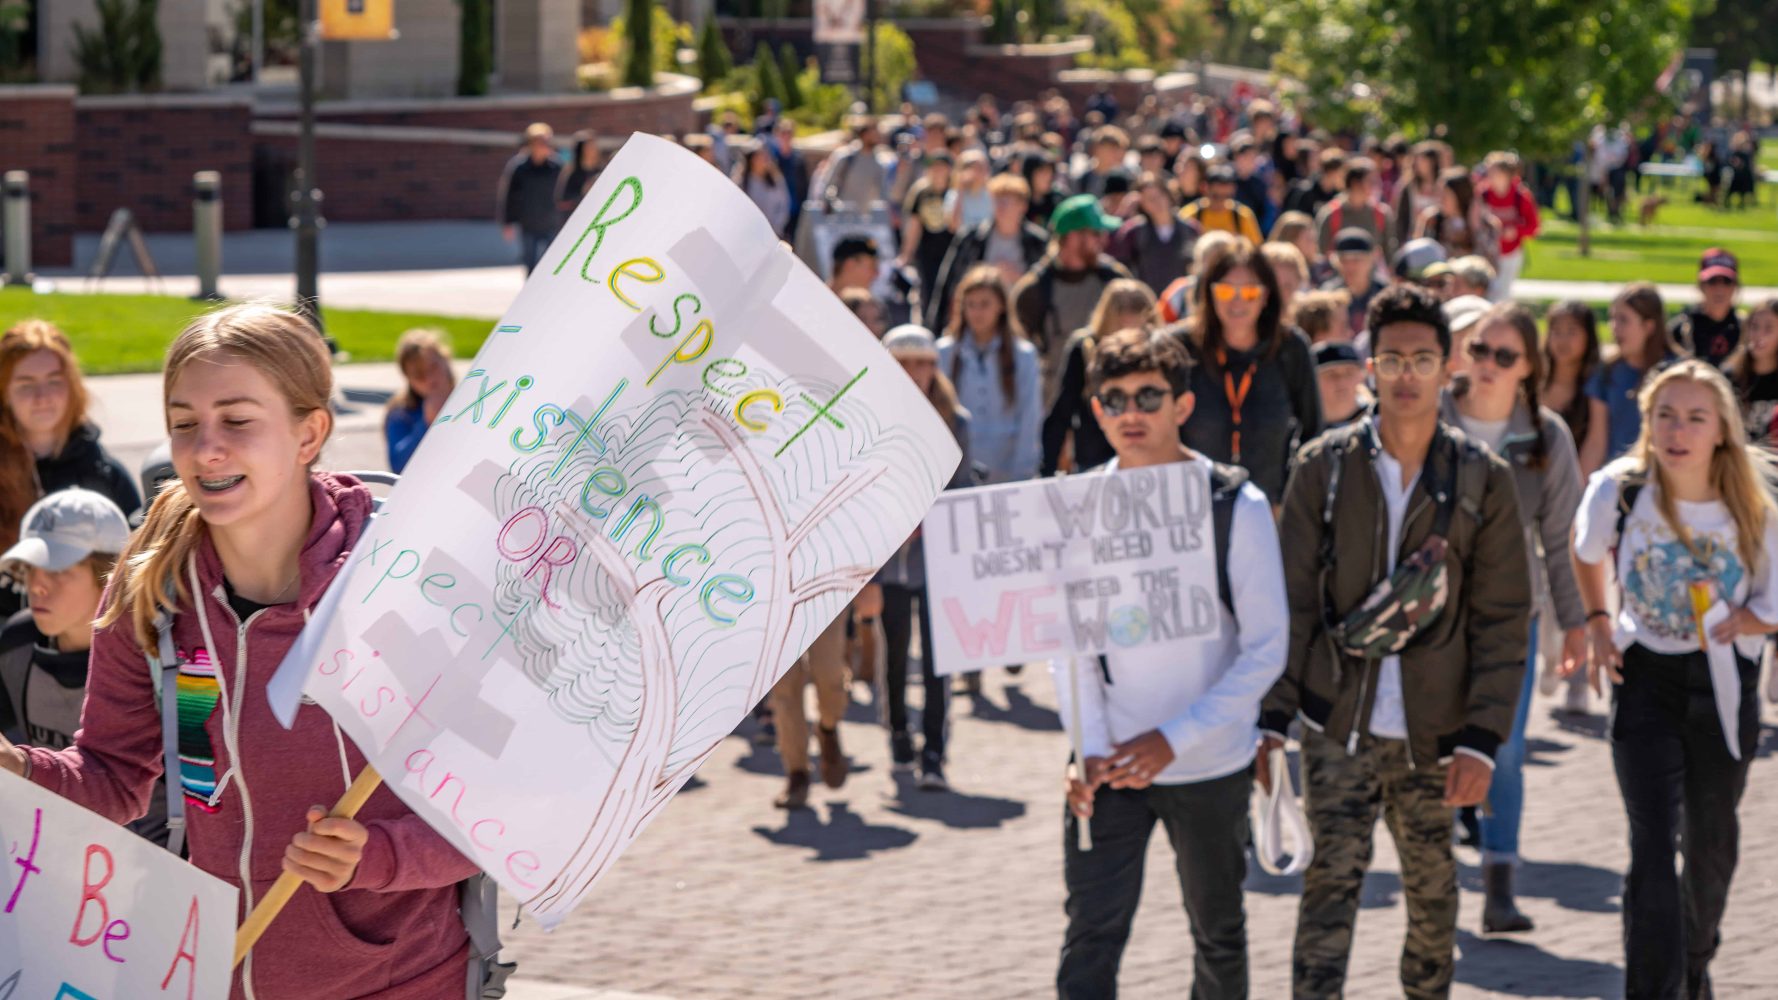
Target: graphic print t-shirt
<point x="1655" y="569"/>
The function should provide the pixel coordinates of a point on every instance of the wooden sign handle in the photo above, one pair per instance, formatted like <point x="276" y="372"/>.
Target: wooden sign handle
<point x="262" y="915"/>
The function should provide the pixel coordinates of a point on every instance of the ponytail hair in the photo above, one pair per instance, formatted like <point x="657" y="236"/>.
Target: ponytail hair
<point x="285" y="348"/>
<point x="1739" y="472"/>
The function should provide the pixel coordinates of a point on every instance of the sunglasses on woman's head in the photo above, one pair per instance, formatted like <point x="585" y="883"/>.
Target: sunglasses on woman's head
<point x="1148" y="399"/>
<point x="1226" y="292"/>
<point x="1504" y="357"/>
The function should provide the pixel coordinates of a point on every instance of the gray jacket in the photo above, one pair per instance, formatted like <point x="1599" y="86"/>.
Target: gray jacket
<point x="1548" y="500"/>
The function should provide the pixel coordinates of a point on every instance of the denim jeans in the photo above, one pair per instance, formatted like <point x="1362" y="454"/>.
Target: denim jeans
<point x="1506" y="796"/>
<point x="1681" y="789"/>
<point x="532" y="247"/>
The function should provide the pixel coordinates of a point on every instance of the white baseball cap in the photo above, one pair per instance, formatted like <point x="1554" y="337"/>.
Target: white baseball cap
<point x="67" y="526"/>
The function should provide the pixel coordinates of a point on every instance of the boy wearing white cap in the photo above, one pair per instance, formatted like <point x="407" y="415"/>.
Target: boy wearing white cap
<point x="68" y="543"/>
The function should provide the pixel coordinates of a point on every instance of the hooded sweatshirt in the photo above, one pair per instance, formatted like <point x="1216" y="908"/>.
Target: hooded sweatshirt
<point x="393" y="933"/>
<point x="85" y="464"/>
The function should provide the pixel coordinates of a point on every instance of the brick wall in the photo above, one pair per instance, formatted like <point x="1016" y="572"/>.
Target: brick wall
<point x="37" y="134"/>
<point x="139" y="153"/>
<point x="666" y="110"/>
<point x="389" y="174"/>
<point x="949" y="51"/>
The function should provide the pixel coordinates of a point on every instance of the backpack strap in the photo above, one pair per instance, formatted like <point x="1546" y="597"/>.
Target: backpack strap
<point x="478" y="901"/>
<point x="1225" y="488"/>
<point x="1628" y="489"/>
<point x="163" y="674"/>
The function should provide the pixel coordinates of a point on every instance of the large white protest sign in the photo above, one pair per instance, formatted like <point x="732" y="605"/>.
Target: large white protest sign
<point x="94" y="912"/>
<point x="672" y="465"/>
<point x="1070" y="567"/>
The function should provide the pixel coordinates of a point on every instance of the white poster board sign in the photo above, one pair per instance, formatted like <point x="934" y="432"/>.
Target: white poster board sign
<point x="670" y="468"/>
<point x="90" y="911"/>
<point x="1075" y="566"/>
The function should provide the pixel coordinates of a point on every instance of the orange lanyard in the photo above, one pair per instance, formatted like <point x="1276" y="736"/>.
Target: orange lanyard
<point x="1237" y="395"/>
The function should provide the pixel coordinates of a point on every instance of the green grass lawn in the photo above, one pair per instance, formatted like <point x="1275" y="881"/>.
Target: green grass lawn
<point x="130" y="333"/>
<point x="1666" y="252"/>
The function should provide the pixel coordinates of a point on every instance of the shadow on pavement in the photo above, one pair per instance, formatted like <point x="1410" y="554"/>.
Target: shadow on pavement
<point x="1020" y="711"/>
<point x="1585" y="888"/>
<point x="762" y="758"/>
<point x="844" y="837"/>
<point x="957" y="810"/>
<point x="1592" y="726"/>
<point x="1539" y="751"/>
<point x="1522" y="969"/>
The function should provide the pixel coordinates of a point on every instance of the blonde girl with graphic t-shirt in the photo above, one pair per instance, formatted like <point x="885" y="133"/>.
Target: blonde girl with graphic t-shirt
<point x="1687" y="505"/>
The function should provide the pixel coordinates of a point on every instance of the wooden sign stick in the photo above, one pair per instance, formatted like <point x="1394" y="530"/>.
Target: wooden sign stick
<point x="262" y="915"/>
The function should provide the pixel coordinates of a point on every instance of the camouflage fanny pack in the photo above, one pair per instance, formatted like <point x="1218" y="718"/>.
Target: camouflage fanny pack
<point x="1411" y="599"/>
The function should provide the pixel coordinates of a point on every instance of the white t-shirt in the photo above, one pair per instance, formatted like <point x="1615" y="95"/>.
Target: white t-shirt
<point x="1389" y="716"/>
<point x="1655" y="569"/>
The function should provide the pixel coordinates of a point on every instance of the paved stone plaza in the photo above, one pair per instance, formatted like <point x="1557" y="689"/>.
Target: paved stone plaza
<point x="885" y="891"/>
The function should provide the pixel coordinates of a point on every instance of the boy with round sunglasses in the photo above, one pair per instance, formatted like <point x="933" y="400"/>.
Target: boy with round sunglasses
<point x="1167" y="730"/>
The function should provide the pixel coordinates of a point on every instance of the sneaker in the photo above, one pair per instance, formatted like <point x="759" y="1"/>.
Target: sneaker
<point x="834" y="765"/>
<point x="932" y="777"/>
<point x="796" y="792"/>
<point x="901" y="752"/>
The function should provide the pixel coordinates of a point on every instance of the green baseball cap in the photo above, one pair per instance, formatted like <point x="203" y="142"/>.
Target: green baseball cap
<point x="1082" y="212"/>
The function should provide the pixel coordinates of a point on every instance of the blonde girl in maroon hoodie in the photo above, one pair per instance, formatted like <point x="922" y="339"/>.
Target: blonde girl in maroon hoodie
<point x="247" y="541"/>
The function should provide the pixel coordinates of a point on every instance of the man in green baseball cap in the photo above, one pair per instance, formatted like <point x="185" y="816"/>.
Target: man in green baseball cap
<point x="1057" y="297"/>
<point x="1082" y="213"/>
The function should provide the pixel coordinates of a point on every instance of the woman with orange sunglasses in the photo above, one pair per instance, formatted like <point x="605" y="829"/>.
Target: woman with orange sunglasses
<point x="1254" y="376"/>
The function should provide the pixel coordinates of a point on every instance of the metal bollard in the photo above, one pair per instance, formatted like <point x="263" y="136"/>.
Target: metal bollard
<point x="206" y="230"/>
<point x="18" y="227"/>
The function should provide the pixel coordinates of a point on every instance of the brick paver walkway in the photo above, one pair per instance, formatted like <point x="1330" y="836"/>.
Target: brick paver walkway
<point x="885" y="891"/>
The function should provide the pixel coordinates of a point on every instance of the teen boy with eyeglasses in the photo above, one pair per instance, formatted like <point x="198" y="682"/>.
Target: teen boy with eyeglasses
<point x="1167" y="730"/>
<point x="1404" y="701"/>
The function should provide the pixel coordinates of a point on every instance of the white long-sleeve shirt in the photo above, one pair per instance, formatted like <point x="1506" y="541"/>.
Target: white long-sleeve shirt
<point x="1201" y="693"/>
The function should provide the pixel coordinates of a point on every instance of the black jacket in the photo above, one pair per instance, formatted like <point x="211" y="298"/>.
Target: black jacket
<point x="85" y="464"/>
<point x="1281" y="410"/>
<point x="527" y="195"/>
<point x="966" y="252"/>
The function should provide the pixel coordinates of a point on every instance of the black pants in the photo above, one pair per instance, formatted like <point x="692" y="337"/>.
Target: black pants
<point x="1680" y="788"/>
<point x="898" y="615"/>
<point x="1207" y="824"/>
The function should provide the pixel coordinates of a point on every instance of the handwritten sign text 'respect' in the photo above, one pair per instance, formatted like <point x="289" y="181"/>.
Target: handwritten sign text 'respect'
<point x="1075" y="566"/>
<point x="90" y="910"/>
<point x="673" y="463"/>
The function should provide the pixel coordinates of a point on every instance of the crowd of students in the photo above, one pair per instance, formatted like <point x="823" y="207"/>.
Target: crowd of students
<point x="1440" y="475"/>
<point x="1435" y="503"/>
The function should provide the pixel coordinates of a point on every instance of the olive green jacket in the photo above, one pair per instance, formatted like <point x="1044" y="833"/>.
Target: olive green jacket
<point x="1461" y="675"/>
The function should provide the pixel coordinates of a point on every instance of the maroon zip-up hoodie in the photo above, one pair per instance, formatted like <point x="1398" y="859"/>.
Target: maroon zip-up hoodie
<point x="394" y="932"/>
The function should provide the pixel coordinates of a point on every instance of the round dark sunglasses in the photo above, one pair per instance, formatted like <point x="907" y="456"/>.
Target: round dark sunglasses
<point x="1504" y="357"/>
<point x="1148" y="399"/>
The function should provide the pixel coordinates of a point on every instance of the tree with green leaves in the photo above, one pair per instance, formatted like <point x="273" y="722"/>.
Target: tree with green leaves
<point x="714" y="63"/>
<point x="475" y="53"/>
<point x="766" y="76"/>
<point x="638" y="43"/>
<point x="789" y="67"/>
<point x="123" y="53"/>
<point x="1483" y="74"/>
<point x="893" y="54"/>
